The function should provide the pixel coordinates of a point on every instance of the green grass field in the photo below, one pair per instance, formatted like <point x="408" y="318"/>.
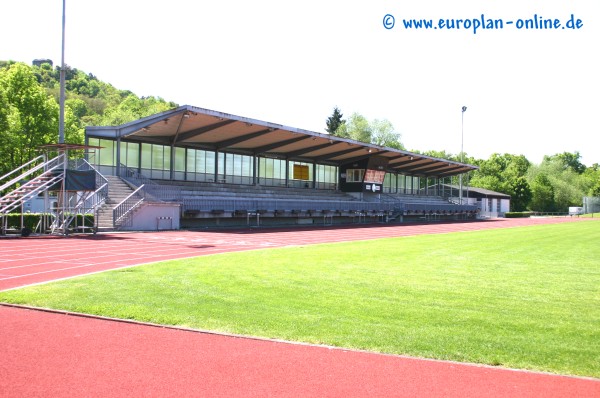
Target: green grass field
<point x="521" y="298"/>
<point x="591" y="215"/>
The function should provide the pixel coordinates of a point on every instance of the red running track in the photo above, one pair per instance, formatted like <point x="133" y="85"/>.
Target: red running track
<point x="55" y="355"/>
<point x="59" y="355"/>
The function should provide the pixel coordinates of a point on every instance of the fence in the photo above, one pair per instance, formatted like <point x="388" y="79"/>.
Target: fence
<point x="591" y="204"/>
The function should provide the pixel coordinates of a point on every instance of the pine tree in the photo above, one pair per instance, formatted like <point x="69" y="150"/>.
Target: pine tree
<point x="334" y="121"/>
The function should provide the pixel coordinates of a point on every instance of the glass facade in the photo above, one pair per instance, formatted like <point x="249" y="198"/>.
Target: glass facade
<point x="187" y="164"/>
<point x="154" y="161"/>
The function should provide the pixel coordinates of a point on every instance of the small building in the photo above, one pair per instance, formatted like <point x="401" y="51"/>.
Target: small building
<point x="489" y="203"/>
<point x="40" y="62"/>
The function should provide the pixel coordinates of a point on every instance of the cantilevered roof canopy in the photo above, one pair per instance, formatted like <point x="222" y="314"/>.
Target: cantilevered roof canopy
<point x="199" y="128"/>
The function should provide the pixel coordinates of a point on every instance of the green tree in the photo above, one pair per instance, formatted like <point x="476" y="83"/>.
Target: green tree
<point x="568" y="160"/>
<point x="592" y="177"/>
<point x="521" y="194"/>
<point x="382" y="133"/>
<point x="378" y="132"/>
<point x="542" y="198"/>
<point x="595" y="189"/>
<point x="133" y="108"/>
<point x="334" y="121"/>
<point x="441" y="155"/>
<point x="356" y="128"/>
<point x="32" y="115"/>
<point x="500" y="172"/>
<point x="568" y="186"/>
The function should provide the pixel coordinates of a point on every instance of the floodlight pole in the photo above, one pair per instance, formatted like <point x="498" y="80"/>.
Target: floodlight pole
<point x="462" y="156"/>
<point x="61" y="116"/>
<point x="61" y="125"/>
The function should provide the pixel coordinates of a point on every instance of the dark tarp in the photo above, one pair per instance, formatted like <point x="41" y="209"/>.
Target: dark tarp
<point x="77" y="180"/>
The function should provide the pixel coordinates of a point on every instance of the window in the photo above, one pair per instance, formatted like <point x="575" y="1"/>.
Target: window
<point x="200" y="165"/>
<point x="271" y="171"/>
<point x="390" y="182"/>
<point x="355" y="175"/>
<point x="146" y="156"/>
<point x="132" y="155"/>
<point x="179" y="159"/>
<point x="401" y="183"/>
<point x="326" y="176"/>
<point x="107" y="153"/>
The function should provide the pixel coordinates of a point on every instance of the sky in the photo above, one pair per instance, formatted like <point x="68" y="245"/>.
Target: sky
<point x="531" y="91"/>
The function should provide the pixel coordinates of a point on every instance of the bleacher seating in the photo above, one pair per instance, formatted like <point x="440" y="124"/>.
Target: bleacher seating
<point x="215" y="200"/>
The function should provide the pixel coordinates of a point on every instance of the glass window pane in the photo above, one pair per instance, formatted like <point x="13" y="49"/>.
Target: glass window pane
<point x="166" y="158"/>
<point x="146" y="156"/>
<point x="157" y="157"/>
<point x="210" y="162"/>
<point x="191" y="161"/>
<point x="107" y="153"/>
<point x="133" y="155"/>
<point x="179" y="159"/>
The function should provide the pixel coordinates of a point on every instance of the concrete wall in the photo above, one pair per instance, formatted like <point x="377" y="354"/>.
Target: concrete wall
<point x="155" y="217"/>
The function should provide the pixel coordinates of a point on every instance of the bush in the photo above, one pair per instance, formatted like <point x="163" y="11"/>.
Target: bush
<point x="31" y="220"/>
<point x="517" y="214"/>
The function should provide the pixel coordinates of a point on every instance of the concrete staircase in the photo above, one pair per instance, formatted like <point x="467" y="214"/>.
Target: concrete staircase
<point x="117" y="191"/>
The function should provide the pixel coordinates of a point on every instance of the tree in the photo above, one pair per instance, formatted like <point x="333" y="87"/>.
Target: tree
<point x="592" y="176"/>
<point x="382" y="133"/>
<point x="378" y="132"/>
<point x="500" y="173"/>
<point x="32" y="115"/>
<point x="440" y="155"/>
<point x="595" y="190"/>
<point x="132" y="108"/>
<point x="568" y="186"/>
<point x="568" y="160"/>
<point x="334" y="121"/>
<point x="542" y="198"/>
<point x="356" y="128"/>
<point x="521" y="194"/>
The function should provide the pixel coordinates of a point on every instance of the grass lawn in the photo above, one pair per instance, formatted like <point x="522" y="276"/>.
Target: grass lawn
<point x="591" y="215"/>
<point x="522" y="297"/>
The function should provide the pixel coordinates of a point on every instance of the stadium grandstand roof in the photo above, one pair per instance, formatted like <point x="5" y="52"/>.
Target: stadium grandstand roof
<point x="192" y="127"/>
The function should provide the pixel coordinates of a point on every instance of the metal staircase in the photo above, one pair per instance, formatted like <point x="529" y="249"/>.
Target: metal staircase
<point x="39" y="176"/>
<point x="36" y="176"/>
<point x="118" y="193"/>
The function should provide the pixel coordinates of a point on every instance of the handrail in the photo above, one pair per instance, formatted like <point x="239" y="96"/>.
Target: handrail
<point x="126" y="206"/>
<point x="19" y="168"/>
<point x="134" y="176"/>
<point x="31" y="171"/>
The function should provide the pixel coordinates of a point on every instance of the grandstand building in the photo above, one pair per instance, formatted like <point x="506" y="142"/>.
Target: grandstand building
<point x="222" y="169"/>
<point x="194" y="167"/>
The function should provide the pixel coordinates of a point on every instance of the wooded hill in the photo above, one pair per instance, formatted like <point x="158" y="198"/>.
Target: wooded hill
<point x="29" y="98"/>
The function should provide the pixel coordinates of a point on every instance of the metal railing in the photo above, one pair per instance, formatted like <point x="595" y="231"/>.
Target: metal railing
<point x="85" y="203"/>
<point x="32" y="161"/>
<point x="33" y="187"/>
<point x="46" y="166"/>
<point x="134" y="177"/>
<point x="123" y="212"/>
